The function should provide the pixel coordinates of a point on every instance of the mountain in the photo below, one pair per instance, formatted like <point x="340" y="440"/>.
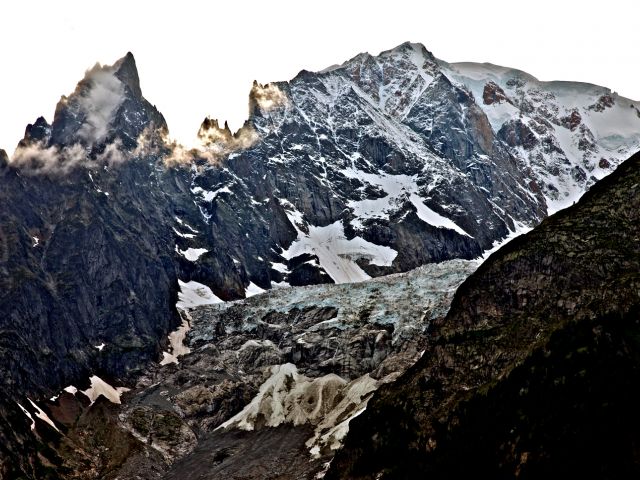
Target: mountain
<point x="377" y="166"/>
<point x="89" y="249"/>
<point x="399" y="160"/>
<point x="532" y="373"/>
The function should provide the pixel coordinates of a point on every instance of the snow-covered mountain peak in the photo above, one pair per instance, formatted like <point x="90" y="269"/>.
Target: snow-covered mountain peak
<point x="570" y="133"/>
<point x="378" y="165"/>
<point x="393" y="78"/>
<point x="399" y="150"/>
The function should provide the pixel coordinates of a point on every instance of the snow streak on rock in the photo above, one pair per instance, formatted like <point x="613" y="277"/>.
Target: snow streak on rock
<point x="192" y="294"/>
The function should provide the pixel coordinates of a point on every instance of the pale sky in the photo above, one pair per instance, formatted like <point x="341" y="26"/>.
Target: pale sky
<point x="198" y="58"/>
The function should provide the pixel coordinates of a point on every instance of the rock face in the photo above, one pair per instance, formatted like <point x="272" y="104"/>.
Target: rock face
<point x="494" y="94"/>
<point x="382" y="159"/>
<point x="402" y="159"/>
<point x="532" y="372"/>
<point x="90" y="244"/>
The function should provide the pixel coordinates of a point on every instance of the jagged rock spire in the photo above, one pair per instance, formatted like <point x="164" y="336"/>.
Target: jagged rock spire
<point x="127" y="72"/>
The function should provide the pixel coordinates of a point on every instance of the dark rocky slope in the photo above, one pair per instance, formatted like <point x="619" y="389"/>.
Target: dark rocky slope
<point x="534" y="371"/>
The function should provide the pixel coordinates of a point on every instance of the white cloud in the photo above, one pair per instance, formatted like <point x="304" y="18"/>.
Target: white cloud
<point x="211" y="145"/>
<point x="113" y="153"/>
<point x="267" y="97"/>
<point x="99" y="103"/>
<point x="39" y="159"/>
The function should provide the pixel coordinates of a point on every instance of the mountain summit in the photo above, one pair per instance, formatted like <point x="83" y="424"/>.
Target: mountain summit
<point x="106" y="105"/>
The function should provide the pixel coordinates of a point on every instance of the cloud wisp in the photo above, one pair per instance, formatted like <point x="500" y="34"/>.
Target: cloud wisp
<point x="100" y="102"/>
<point x="214" y="143"/>
<point x="266" y="97"/>
<point x="37" y="158"/>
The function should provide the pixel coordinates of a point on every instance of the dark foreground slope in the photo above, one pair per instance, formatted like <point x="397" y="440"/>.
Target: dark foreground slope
<point x="534" y="372"/>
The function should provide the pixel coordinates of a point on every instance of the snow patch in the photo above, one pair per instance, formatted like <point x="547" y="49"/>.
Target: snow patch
<point x="398" y="189"/>
<point x="337" y="254"/>
<point x="176" y="342"/>
<point x="193" y="294"/>
<point x="100" y="387"/>
<point x="183" y="235"/>
<point x="185" y="224"/>
<point x="43" y="416"/>
<point x="279" y="267"/>
<point x="499" y="113"/>
<point x="26" y="412"/>
<point x="192" y="254"/>
<point x="208" y="195"/>
<point x="433" y="218"/>
<point x="330" y="432"/>
<point x="288" y="397"/>
<point x="253" y="289"/>
<point x="328" y="402"/>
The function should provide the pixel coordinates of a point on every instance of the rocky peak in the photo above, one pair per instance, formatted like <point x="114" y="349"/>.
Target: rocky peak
<point x="394" y="78"/>
<point x="408" y="59"/>
<point x="126" y="71"/>
<point x="572" y="121"/>
<point x="364" y="70"/>
<point x="410" y="48"/>
<point x="516" y="133"/>
<point x="265" y="98"/>
<point x="604" y="102"/>
<point x="106" y="105"/>
<point x="212" y="123"/>
<point x="211" y="132"/>
<point x="39" y="131"/>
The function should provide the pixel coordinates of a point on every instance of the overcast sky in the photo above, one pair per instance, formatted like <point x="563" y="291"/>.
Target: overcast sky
<point x="198" y="58"/>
